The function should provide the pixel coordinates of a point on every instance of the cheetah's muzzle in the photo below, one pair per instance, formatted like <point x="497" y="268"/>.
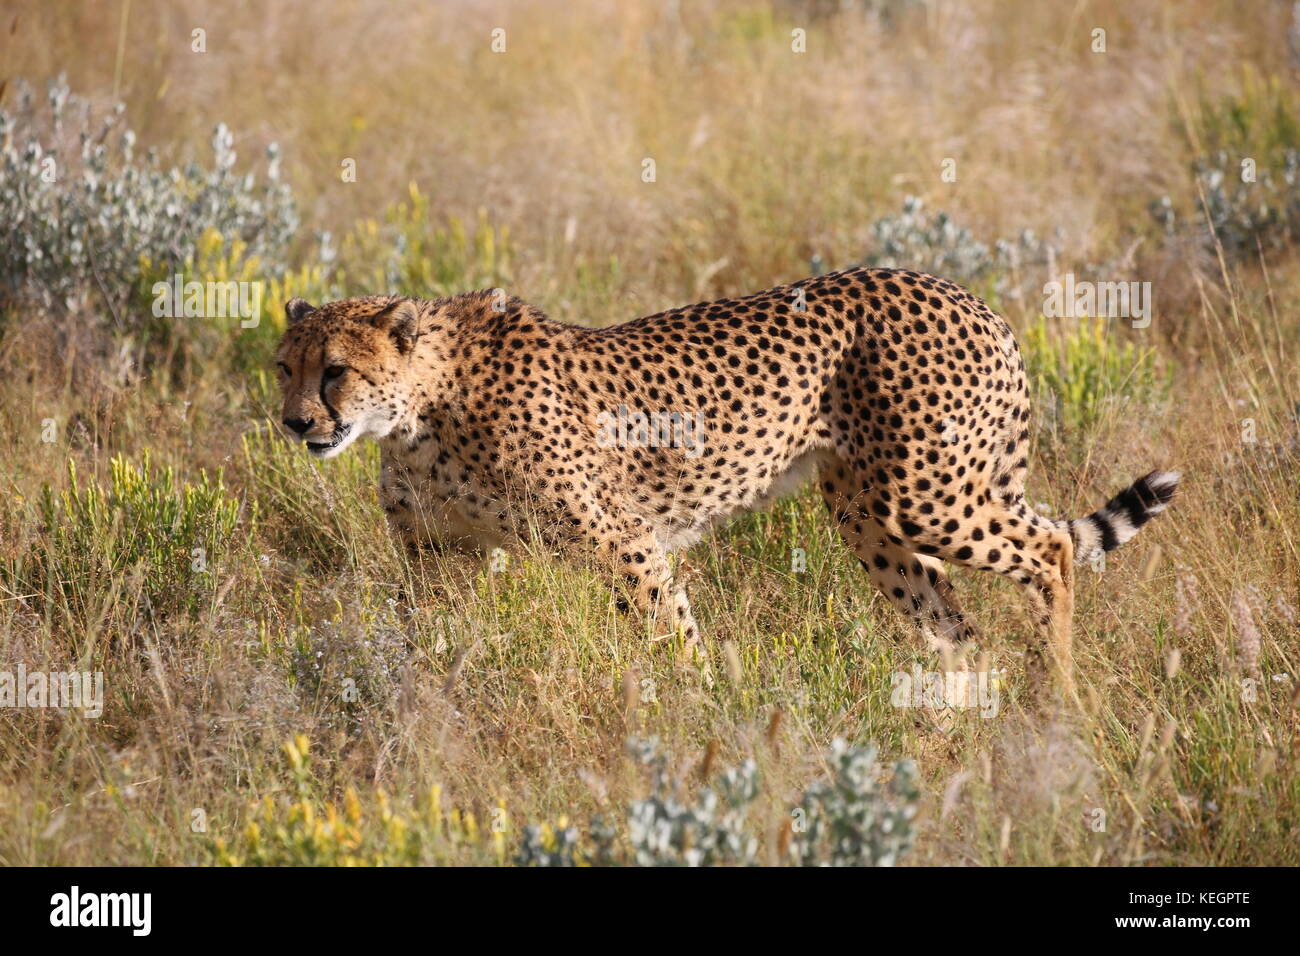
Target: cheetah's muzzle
<point x="323" y="447"/>
<point x="904" y="395"/>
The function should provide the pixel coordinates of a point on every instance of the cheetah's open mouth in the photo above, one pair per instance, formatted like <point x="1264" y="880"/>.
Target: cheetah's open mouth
<point x="321" y="447"/>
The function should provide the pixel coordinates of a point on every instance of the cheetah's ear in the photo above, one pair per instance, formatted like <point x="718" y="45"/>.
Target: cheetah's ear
<point x="296" y="309"/>
<point x="401" y="320"/>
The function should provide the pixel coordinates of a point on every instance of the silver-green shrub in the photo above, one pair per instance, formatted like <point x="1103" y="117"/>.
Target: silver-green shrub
<point x="851" y="820"/>
<point x="933" y="242"/>
<point x="349" y="665"/>
<point x="1244" y="216"/>
<point x="82" y="211"/>
<point x="854" y="819"/>
<point x="545" y="846"/>
<point x="928" y="242"/>
<point x="563" y="845"/>
<point x="666" y="829"/>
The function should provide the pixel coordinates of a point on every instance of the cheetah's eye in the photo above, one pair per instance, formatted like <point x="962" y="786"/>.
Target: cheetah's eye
<point x="334" y="371"/>
<point x="284" y="369"/>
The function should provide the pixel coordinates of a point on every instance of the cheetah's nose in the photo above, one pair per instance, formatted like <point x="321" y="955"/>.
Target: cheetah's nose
<point x="298" y="425"/>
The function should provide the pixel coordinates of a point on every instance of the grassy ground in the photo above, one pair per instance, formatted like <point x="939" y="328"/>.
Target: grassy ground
<point x="299" y="690"/>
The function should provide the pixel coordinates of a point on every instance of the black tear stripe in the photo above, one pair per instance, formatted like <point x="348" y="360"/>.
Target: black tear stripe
<point x="334" y="416"/>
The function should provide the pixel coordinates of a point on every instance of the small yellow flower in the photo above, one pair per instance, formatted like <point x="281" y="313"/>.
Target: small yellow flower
<point x="352" y="806"/>
<point x="435" y="803"/>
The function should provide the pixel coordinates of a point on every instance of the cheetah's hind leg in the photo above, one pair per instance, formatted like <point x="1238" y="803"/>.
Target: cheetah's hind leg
<point x="916" y="584"/>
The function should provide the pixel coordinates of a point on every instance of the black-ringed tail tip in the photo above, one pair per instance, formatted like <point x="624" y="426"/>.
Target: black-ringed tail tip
<point x="1119" y="520"/>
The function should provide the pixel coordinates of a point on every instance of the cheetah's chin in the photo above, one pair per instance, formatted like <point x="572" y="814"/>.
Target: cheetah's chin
<point x="328" y="449"/>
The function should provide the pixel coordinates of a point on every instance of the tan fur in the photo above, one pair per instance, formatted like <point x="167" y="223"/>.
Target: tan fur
<point x="905" y="393"/>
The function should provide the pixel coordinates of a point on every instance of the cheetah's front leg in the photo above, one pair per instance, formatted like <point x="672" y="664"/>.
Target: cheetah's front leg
<point x="639" y="560"/>
<point x="395" y="498"/>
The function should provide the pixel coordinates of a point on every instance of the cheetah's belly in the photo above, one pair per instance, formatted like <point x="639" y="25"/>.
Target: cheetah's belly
<point x="437" y="511"/>
<point x="451" y="522"/>
<point x="786" y="481"/>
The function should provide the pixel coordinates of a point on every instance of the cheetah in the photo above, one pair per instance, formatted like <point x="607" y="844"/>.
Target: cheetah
<point x="903" y="394"/>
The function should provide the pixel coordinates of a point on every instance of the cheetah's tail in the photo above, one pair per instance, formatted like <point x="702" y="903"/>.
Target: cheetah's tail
<point x="1109" y="527"/>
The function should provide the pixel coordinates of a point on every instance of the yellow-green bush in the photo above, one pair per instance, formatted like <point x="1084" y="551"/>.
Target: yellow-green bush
<point x="146" y="525"/>
<point x="1074" y="374"/>
<point x="409" y="254"/>
<point x="303" y="830"/>
<point x="246" y="343"/>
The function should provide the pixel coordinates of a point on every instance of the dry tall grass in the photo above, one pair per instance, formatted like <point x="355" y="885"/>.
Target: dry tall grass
<point x="472" y="688"/>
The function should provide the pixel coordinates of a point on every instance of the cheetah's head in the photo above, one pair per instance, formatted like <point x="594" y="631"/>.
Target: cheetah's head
<point x="343" y="369"/>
